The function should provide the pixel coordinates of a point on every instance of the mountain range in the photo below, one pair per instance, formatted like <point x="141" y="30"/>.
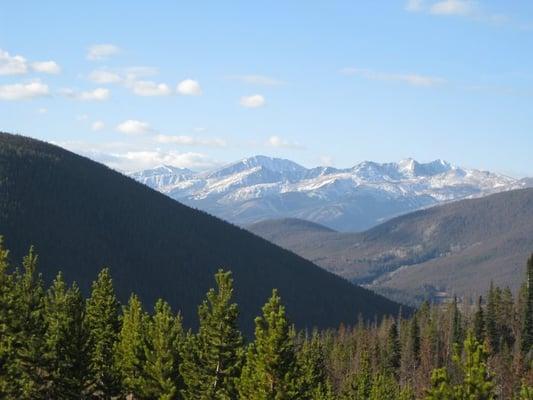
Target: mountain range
<point x="352" y="199"/>
<point x="453" y="249"/>
<point x="82" y="216"/>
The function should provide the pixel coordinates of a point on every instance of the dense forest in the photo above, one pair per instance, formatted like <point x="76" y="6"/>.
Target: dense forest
<point x="55" y="344"/>
<point x="81" y="215"/>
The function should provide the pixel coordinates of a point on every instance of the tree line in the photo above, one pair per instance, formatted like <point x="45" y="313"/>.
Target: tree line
<point x="56" y="344"/>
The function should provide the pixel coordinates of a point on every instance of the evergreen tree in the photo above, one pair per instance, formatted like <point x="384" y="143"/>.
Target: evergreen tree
<point x="384" y="387"/>
<point x="212" y="359"/>
<point x="491" y="323"/>
<point x="479" y="321"/>
<point x="270" y="371"/>
<point x="29" y="330"/>
<point x="130" y="348"/>
<point x="393" y="350"/>
<point x="165" y="335"/>
<point x="414" y="339"/>
<point x="101" y="321"/>
<point x="441" y="388"/>
<point x="311" y="361"/>
<point x="65" y="364"/>
<point x="361" y="383"/>
<point x="457" y="324"/>
<point x="526" y="343"/>
<point x="477" y="382"/>
<point x="7" y="304"/>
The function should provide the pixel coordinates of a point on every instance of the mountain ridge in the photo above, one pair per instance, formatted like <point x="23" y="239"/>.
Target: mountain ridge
<point x="457" y="248"/>
<point x="82" y="216"/>
<point x="347" y="199"/>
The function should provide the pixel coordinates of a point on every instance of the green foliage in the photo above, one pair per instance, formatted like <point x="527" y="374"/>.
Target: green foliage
<point x="527" y="330"/>
<point x="165" y="336"/>
<point x="393" y="350"/>
<point x="271" y="369"/>
<point x="441" y="388"/>
<point x="7" y="324"/>
<point x="130" y="348"/>
<point x="29" y="333"/>
<point x="313" y="379"/>
<point x="479" y="321"/>
<point x="55" y="345"/>
<point x="212" y="358"/>
<point x="101" y="321"/>
<point x="384" y="387"/>
<point x="65" y="365"/>
<point x="476" y="381"/>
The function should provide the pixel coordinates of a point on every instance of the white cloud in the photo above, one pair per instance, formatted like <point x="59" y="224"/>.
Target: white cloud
<point x="276" y="141"/>
<point x="134" y="73"/>
<point x="190" y="141"/>
<point x="134" y="127"/>
<point x="127" y="156"/>
<point x="189" y="87"/>
<point x="103" y="76"/>
<point x="149" y="88"/>
<point x="414" y="5"/>
<point x="257" y="80"/>
<point x="42" y="110"/>
<point x="101" y="51"/>
<point x="12" y="65"/>
<point x="452" y="7"/>
<point x="462" y="8"/>
<point x="411" y="79"/>
<point x="97" y="126"/>
<point x="137" y="160"/>
<point x="82" y="117"/>
<point x="253" y="101"/>
<point x="46" y="67"/>
<point x="21" y="91"/>
<point x="98" y="94"/>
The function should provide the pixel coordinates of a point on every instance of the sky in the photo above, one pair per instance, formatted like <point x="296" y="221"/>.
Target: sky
<point x="135" y="84"/>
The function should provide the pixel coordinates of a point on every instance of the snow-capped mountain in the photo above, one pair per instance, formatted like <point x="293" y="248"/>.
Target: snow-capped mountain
<point x="351" y="199"/>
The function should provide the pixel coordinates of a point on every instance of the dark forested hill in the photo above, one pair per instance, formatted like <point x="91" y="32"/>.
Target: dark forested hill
<point x="81" y="216"/>
<point x="455" y="248"/>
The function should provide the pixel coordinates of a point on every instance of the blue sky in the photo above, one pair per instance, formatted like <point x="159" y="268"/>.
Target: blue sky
<point x="195" y="84"/>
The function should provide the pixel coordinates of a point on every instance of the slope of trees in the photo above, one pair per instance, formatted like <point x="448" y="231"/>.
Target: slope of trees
<point x="55" y="345"/>
<point x="81" y="216"/>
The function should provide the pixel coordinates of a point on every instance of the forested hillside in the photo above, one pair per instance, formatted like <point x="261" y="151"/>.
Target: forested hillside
<point x="457" y="248"/>
<point x="82" y="216"/>
<point x="54" y="344"/>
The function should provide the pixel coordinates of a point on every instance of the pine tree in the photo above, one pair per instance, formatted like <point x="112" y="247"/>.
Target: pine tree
<point x="526" y="343"/>
<point x="271" y="370"/>
<point x="414" y="339"/>
<point x="491" y="323"/>
<point x="8" y="331"/>
<point x="479" y="321"/>
<point x="165" y="335"/>
<point x="477" y="381"/>
<point x="311" y="361"/>
<point x="457" y="325"/>
<point x="441" y="388"/>
<point x="384" y="387"/>
<point x="393" y="350"/>
<point x="65" y="364"/>
<point x="212" y="359"/>
<point x="29" y="327"/>
<point x="101" y="321"/>
<point x="130" y="348"/>
<point x="361" y="383"/>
